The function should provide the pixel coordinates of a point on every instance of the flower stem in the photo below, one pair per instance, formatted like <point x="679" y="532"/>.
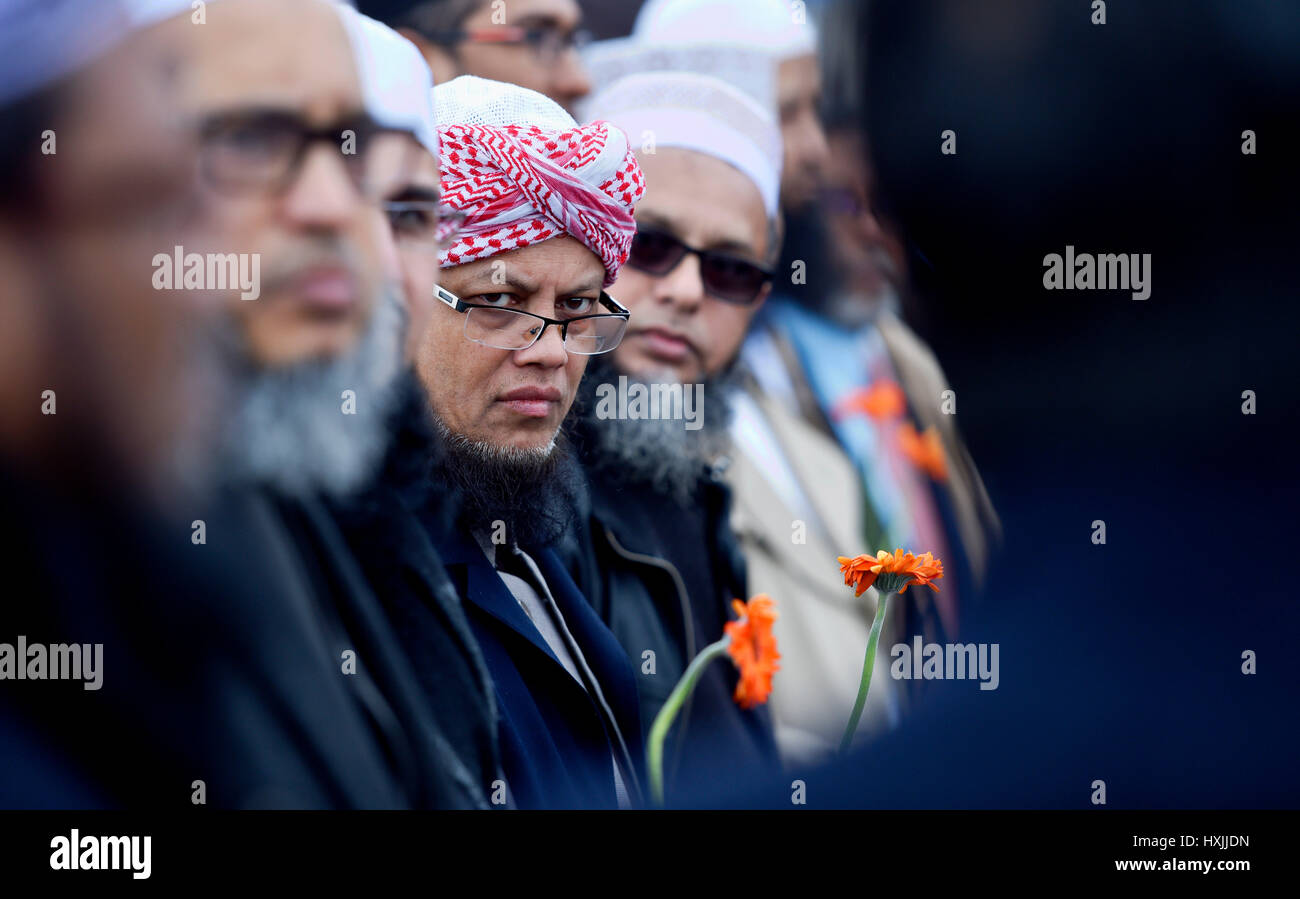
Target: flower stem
<point x="664" y="720"/>
<point x="868" y="665"/>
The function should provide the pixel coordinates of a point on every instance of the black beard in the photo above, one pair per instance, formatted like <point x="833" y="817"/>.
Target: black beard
<point x="536" y="496"/>
<point x="659" y="454"/>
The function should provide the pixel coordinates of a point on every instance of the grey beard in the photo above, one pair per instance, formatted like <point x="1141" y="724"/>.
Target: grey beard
<point x="289" y="432"/>
<point x="659" y="453"/>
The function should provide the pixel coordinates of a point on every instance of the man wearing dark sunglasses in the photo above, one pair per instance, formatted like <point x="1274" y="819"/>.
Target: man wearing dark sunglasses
<point x="654" y="552"/>
<point x="531" y="43"/>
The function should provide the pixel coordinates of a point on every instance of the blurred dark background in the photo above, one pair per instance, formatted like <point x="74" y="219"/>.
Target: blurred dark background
<point x="1119" y="661"/>
<point x="1084" y="405"/>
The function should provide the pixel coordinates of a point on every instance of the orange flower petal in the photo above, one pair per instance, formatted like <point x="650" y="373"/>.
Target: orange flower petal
<point x="898" y="568"/>
<point x="925" y="451"/>
<point x="882" y="401"/>
<point x="753" y="649"/>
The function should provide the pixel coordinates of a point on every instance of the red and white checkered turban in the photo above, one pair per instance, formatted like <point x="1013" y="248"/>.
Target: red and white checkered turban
<point x="523" y="171"/>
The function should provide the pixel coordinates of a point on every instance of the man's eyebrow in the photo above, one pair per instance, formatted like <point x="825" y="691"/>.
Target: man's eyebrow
<point x="595" y="282"/>
<point x="508" y="279"/>
<point x="538" y="21"/>
<point x="734" y="245"/>
<point x="417" y="193"/>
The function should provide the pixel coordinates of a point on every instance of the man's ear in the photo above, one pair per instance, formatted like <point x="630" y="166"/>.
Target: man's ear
<point x="442" y="63"/>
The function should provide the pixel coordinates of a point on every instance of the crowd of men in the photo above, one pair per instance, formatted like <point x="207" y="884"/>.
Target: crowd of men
<point x="364" y="534"/>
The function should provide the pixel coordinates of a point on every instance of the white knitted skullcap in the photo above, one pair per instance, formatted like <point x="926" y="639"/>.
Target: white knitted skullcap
<point x="44" y="41"/>
<point x="781" y="27"/>
<point x="745" y="68"/>
<point x="395" y="79"/>
<point x="470" y="100"/>
<point x="699" y="113"/>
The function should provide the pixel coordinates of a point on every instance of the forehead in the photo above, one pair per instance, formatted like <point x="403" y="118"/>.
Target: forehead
<point x="798" y="78"/>
<point x="706" y="201"/>
<point x="561" y="263"/>
<point x="425" y="172"/>
<point x="291" y="54"/>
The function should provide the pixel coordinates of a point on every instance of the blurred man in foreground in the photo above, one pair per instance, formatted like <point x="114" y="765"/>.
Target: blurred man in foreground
<point x="384" y="523"/>
<point x="304" y="175"/>
<point x="216" y="684"/>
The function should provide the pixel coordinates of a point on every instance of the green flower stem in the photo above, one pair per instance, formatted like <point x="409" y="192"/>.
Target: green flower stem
<point x="664" y="720"/>
<point x="868" y="665"/>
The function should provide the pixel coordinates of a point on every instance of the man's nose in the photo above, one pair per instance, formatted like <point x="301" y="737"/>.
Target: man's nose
<point x="868" y="225"/>
<point x="570" y="82"/>
<point x="814" y="151"/>
<point x="548" y="351"/>
<point x="322" y="195"/>
<point x="682" y="288"/>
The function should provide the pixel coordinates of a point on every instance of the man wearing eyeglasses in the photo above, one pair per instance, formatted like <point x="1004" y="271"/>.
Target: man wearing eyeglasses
<point x="382" y="524"/>
<point x="303" y="140"/>
<point x="531" y="43"/>
<point x="655" y="552"/>
<point x="548" y="219"/>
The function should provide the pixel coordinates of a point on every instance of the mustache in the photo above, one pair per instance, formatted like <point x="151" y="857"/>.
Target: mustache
<point x="289" y="263"/>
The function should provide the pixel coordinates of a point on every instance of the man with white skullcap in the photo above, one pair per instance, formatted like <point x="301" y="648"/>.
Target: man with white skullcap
<point x="780" y="28"/>
<point x="691" y="319"/>
<point x="654" y="551"/>
<point x="548" y="208"/>
<point x="380" y="524"/>
<point x="309" y="146"/>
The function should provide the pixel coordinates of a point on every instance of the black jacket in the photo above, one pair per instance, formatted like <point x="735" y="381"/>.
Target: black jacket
<point x="558" y="743"/>
<point x="662" y="577"/>
<point x="216" y="663"/>
<point x="376" y="562"/>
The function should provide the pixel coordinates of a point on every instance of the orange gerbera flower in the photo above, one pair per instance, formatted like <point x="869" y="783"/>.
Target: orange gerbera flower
<point x="753" y="649"/>
<point x="925" y="450"/>
<point x="882" y="401"/>
<point x="890" y="573"/>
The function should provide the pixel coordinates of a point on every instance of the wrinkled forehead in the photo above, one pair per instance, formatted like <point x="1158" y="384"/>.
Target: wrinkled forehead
<point x="292" y="55"/>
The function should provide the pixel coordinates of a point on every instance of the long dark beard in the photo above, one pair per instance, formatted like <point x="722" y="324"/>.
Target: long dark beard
<point x="659" y="453"/>
<point x="535" y="495"/>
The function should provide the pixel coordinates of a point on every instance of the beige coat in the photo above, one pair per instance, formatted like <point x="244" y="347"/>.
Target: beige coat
<point x="822" y="628"/>
<point x="924" y="382"/>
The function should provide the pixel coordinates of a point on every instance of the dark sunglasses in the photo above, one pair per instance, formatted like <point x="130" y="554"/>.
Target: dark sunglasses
<point x="729" y="278"/>
<point x="549" y="43"/>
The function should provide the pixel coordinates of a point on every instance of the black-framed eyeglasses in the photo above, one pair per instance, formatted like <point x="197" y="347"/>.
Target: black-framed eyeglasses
<point x="727" y="277"/>
<point x="548" y="43"/>
<point x="263" y="150"/>
<point x="426" y="225"/>
<point x="514" y="329"/>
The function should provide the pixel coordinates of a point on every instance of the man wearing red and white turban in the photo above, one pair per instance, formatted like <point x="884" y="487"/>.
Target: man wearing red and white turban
<point x="547" y="209"/>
